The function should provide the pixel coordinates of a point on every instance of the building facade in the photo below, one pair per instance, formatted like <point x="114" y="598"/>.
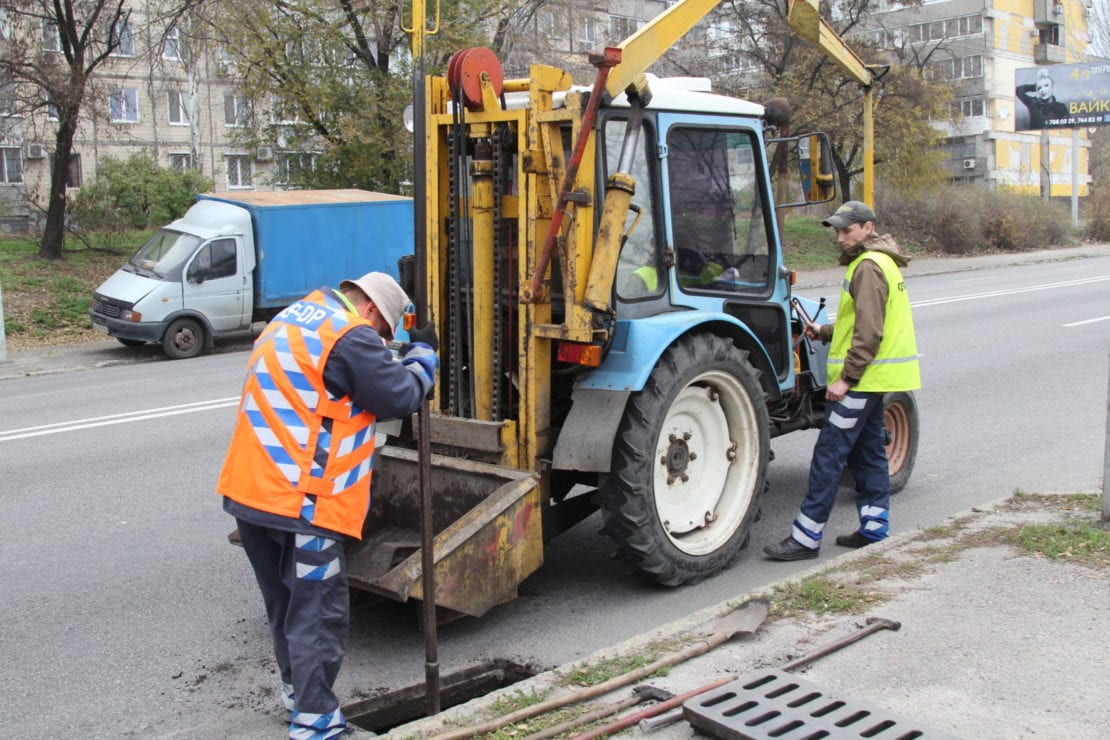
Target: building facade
<point x="977" y="45"/>
<point x="167" y="95"/>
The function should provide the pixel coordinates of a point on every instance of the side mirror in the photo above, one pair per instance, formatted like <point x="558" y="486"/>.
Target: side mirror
<point x="803" y="169"/>
<point x="816" y="168"/>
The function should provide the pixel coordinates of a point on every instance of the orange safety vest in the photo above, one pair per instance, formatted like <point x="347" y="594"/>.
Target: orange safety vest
<point x="297" y="451"/>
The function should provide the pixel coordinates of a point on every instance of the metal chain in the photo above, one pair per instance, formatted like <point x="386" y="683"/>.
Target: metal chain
<point x="500" y="280"/>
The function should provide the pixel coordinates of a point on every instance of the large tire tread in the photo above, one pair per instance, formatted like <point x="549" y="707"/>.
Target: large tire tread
<point x="628" y="503"/>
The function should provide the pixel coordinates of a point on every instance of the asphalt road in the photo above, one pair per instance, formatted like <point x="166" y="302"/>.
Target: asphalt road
<point x="126" y="613"/>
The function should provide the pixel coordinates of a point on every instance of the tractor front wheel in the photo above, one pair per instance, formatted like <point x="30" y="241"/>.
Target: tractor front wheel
<point x="689" y="463"/>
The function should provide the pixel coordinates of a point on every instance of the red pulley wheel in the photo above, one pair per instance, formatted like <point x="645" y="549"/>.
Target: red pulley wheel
<point x="464" y="72"/>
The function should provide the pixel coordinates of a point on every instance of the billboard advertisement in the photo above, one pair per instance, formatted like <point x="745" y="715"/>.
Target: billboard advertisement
<point x="1062" y="96"/>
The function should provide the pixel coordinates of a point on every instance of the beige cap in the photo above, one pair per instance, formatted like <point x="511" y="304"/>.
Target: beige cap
<point x="386" y="294"/>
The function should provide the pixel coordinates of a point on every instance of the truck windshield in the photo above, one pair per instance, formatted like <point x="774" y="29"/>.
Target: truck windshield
<point x="164" y="252"/>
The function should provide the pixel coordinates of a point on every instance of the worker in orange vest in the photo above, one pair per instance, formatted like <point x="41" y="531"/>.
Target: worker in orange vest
<point x="297" y="472"/>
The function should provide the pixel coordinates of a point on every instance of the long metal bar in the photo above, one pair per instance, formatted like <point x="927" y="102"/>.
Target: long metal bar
<point x="424" y="444"/>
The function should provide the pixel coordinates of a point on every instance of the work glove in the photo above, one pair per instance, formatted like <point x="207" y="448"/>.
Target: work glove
<point x="421" y="361"/>
<point x="427" y="335"/>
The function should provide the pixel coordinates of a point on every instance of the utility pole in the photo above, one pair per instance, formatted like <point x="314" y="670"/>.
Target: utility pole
<point x="1105" y="458"/>
<point x="3" y="337"/>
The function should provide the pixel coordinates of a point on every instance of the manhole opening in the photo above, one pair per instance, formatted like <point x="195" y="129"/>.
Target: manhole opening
<point x="384" y="712"/>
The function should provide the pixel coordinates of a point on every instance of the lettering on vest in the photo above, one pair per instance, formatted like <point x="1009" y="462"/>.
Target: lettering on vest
<point x="303" y="313"/>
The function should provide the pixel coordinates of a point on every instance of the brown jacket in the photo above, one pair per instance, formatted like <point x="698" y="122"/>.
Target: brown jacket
<point x="869" y="291"/>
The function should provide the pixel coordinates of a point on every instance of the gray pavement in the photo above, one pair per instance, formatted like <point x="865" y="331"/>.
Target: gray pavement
<point x="993" y="643"/>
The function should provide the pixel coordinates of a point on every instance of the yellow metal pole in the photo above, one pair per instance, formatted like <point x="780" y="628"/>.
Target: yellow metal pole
<point x="869" y="146"/>
<point x="481" y="297"/>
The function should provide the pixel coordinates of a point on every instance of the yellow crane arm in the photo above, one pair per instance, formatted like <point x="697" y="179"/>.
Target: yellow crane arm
<point x="807" y="22"/>
<point x="640" y="50"/>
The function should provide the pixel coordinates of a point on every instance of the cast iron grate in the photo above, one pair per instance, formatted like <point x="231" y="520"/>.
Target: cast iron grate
<point x="773" y="704"/>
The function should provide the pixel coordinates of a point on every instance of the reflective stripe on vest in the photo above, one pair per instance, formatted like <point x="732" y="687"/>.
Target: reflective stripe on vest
<point x="895" y="367"/>
<point x="297" y="451"/>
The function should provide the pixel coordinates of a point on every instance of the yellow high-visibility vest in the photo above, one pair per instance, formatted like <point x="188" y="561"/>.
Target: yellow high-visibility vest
<point x="895" y="367"/>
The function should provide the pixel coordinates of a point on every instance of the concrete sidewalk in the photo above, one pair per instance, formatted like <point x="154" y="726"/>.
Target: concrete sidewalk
<point x="993" y="643"/>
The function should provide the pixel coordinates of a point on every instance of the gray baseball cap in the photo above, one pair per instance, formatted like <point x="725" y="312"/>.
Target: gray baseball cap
<point x="852" y="212"/>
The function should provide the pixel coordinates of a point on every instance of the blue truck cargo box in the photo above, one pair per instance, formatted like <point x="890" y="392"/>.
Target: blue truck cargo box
<point x="305" y="239"/>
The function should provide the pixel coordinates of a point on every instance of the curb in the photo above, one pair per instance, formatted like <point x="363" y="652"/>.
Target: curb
<point x="551" y="682"/>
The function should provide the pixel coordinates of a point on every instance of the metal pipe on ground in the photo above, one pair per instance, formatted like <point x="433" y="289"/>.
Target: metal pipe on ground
<point x="745" y="619"/>
<point x="658" y="716"/>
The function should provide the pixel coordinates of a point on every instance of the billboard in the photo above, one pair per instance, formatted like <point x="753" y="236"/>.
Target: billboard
<point x="1062" y="96"/>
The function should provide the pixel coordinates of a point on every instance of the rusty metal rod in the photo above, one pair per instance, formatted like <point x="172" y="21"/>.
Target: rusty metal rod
<point x="659" y="718"/>
<point x="609" y="59"/>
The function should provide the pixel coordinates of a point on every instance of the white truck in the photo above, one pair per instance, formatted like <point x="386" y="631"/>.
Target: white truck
<point x="237" y="258"/>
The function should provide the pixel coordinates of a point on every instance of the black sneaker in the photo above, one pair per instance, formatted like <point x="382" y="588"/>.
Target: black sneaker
<point x="789" y="549"/>
<point x="855" y="539"/>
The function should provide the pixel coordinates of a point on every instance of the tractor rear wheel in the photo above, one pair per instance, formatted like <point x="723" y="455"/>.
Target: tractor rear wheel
<point x="901" y="427"/>
<point x="689" y="463"/>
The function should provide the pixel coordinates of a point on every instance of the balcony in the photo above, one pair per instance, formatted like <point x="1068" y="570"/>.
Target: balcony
<point x="1048" y="53"/>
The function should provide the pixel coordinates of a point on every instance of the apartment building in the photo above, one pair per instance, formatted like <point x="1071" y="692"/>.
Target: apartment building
<point x="978" y="45"/>
<point x="174" y="98"/>
<point x="159" y="94"/>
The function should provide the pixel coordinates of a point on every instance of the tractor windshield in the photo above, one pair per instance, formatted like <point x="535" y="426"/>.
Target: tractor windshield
<point x="718" y="224"/>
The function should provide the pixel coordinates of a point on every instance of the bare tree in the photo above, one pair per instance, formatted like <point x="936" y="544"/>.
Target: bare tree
<point x="49" y="60"/>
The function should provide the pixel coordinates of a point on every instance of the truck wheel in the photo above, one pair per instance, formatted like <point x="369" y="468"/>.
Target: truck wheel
<point x="901" y="424"/>
<point x="183" y="339"/>
<point x="689" y="463"/>
<point x="131" y="342"/>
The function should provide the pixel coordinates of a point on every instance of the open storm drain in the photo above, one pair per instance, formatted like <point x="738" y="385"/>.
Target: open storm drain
<point x="387" y="711"/>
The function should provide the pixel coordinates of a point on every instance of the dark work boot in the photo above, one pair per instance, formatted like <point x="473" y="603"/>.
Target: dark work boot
<point x="855" y="539"/>
<point x="789" y="549"/>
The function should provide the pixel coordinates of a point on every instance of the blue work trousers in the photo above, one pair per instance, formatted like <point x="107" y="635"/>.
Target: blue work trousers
<point x="303" y="579"/>
<point x="852" y="438"/>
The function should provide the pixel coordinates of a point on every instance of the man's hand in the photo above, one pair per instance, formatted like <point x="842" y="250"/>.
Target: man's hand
<point x="427" y="335"/>
<point x="813" y="331"/>
<point x="837" y="391"/>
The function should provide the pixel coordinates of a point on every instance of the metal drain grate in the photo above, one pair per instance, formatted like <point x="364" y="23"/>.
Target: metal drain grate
<point x="775" y="704"/>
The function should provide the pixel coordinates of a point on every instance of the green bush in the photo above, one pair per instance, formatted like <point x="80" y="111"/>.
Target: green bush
<point x="963" y="219"/>
<point x="1098" y="214"/>
<point x="135" y="194"/>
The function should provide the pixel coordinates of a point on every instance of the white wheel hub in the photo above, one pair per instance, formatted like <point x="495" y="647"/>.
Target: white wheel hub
<point x="707" y="463"/>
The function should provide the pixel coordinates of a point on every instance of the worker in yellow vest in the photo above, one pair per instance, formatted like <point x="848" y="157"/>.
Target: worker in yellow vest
<point x="297" y="472"/>
<point x="873" y="351"/>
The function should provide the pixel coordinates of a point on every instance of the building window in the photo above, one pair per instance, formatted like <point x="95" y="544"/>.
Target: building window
<point x="9" y="103"/>
<point x="293" y="167"/>
<point x="545" y="24"/>
<point x="122" y="40"/>
<point x="587" y="32"/>
<point x="52" y="113"/>
<point x="1049" y="35"/>
<point x="239" y="172"/>
<point x="961" y="68"/>
<point x="51" y="39"/>
<point x="621" y="27"/>
<point x="968" y="107"/>
<point x="236" y="110"/>
<point x="123" y="105"/>
<point x="967" y="25"/>
<point x="174" y="47"/>
<point x="179" y="105"/>
<point x="11" y="165"/>
<point x="73" y="175"/>
<point x="181" y="162"/>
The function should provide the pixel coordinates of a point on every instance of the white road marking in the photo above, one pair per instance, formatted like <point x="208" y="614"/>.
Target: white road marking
<point x="124" y="418"/>
<point x="1088" y="321"/>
